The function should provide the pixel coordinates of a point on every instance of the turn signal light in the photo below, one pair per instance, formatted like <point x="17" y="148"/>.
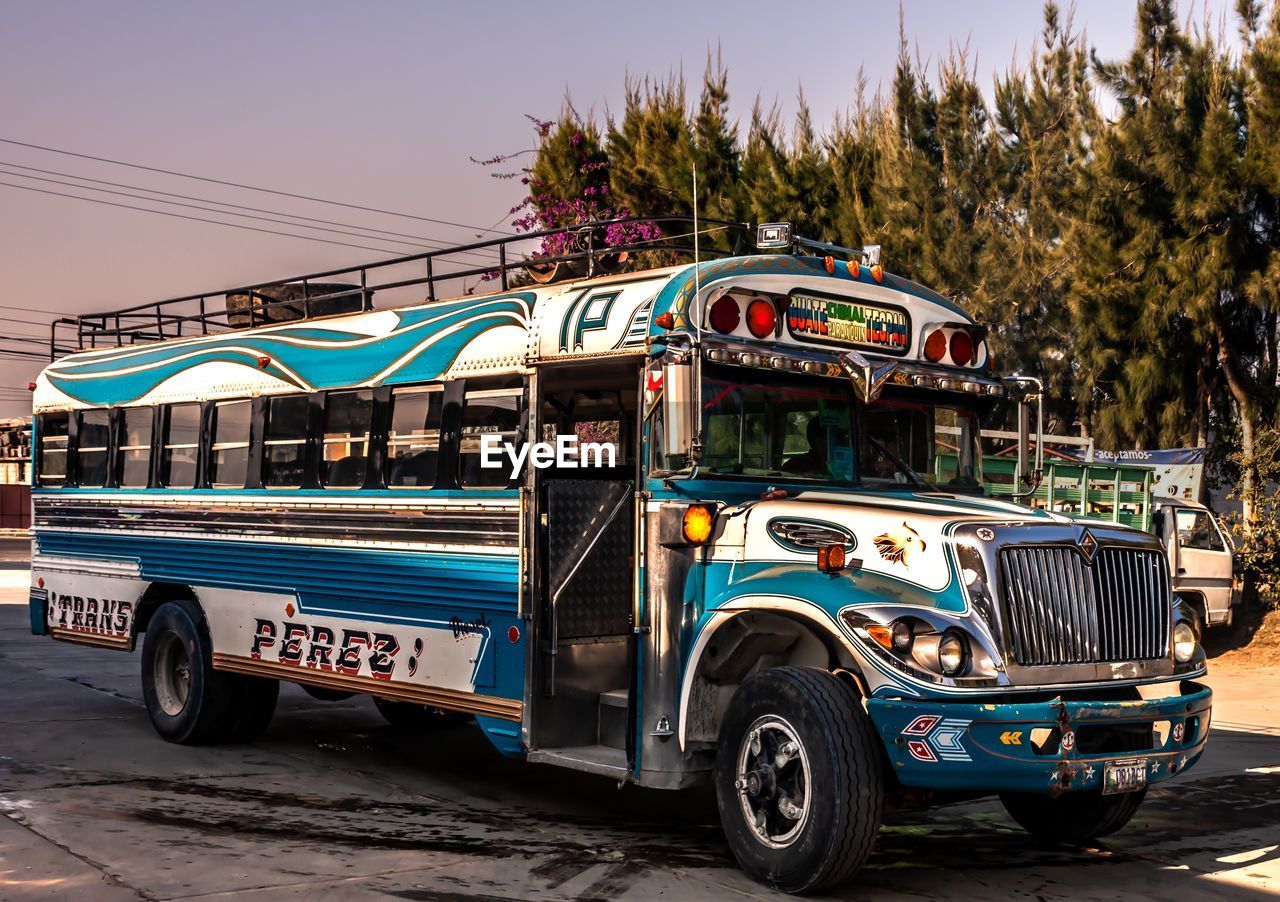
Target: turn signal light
<point x="831" y="558"/>
<point x="882" y="635"/>
<point x="697" y="524"/>
<point x="935" y="346"/>
<point x="762" y="318"/>
<point x="725" y="314"/>
<point x="961" y="347"/>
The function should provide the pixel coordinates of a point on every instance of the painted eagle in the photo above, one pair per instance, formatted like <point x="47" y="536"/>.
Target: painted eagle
<point x="897" y="544"/>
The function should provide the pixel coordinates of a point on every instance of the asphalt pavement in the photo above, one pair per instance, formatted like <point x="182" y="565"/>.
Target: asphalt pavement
<point x="334" y="804"/>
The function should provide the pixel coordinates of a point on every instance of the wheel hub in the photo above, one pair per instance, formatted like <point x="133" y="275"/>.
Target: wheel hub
<point x="773" y="781"/>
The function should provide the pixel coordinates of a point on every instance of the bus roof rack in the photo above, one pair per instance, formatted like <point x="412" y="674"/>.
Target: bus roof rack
<point x="586" y="249"/>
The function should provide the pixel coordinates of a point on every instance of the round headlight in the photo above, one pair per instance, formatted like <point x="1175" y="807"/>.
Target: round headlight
<point x="1184" y="642"/>
<point x="901" y="633"/>
<point x="953" y="652"/>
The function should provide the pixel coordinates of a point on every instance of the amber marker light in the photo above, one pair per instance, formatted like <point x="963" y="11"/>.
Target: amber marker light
<point x="665" y="320"/>
<point x="877" y="272"/>
<point x="831" y="558"/>
<point x="829" y="264"/>
<point x="697" y="524"/>
<point x="883" y="636"/>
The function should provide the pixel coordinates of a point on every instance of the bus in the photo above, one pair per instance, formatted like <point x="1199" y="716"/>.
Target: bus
<point x="663" y="513"/>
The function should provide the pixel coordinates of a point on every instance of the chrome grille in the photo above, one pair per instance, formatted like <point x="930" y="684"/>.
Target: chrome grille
<point x="1062" y="610"/>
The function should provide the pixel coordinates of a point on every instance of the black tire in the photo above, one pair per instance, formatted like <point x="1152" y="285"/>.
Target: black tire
<point x="255" y="706"/>
<point x="189" y="702"/>
<point x="1074" y="817"/>
<point x="408" y="715"/>
<point x="326" y="695"/>
<point x="836" y="743"/>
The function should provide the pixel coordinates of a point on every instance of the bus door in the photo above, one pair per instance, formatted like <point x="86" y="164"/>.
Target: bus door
<point x="583" y="665"/>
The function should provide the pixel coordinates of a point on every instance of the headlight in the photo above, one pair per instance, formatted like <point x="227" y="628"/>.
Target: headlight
<point x="1184" y="642"/>
<point x="953" y="652"/>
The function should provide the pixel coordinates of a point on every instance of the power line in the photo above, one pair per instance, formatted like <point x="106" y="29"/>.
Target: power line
<point x="230" y="225"/>
<point x="222" y="203"/>
<point x="196" y="206"/>
<point x="156" y="200"/>
<point x="29" y="310"/>
<point x="186" y="175"/>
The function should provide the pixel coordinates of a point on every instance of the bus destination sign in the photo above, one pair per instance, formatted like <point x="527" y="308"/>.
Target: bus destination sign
<point x="846" y="321"/>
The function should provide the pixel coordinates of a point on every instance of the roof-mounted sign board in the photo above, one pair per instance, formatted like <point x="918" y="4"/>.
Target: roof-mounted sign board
<point x="849" y="322"/>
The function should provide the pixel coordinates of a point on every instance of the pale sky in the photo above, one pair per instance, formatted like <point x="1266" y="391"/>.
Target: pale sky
<point x="379" y="104"/>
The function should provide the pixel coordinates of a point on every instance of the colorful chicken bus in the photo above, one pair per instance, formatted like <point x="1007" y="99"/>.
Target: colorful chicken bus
<point x="664" y="525"/>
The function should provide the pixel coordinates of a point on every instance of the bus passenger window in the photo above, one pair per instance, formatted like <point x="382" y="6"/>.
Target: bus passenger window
<point x="181" y="444"/>
<point x="413" y="445"/>
<point x="229" y="462"/>
<point x="95" y="436"/>
<point x="286" y="439"/>
<point x="495" y="412"/>
<point x="347" y="415"/>
<point x="135" y="450"/>
<point x="53" y="448"/>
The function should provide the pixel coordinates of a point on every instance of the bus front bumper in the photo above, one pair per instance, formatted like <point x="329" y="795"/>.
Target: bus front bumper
<point x="1050" y="747"/>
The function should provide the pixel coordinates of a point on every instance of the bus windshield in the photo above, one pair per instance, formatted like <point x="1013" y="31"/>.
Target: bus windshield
<point x="794" y="427"/>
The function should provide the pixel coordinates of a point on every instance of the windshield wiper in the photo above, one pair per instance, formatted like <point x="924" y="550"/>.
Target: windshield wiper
<point x="897" y="461"/>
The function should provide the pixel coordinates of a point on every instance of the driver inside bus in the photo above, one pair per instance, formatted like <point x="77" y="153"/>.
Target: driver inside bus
<point x="814" y="461"/>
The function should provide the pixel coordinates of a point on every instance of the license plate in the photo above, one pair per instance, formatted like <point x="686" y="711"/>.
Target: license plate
<point x="1124" y="776"/>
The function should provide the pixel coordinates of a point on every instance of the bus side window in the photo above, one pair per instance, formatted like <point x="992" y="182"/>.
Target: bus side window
<point x="284" y="447"/>
<point x="494" y="412"/>
<point x="134" y="460"/>
<point x="181" y="446"/>
<point x="347" y="417"/>
<point x="229" y="462"/>
<point x="54" y="436"/>
<point x="95" y="438"/>
<point x="413" y="444"/>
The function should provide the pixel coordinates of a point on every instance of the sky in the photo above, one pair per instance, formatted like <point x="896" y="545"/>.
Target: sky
<point x="382" y="105"/>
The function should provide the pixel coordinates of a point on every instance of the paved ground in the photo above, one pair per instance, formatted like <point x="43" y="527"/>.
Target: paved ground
<point x="333" y="804"/>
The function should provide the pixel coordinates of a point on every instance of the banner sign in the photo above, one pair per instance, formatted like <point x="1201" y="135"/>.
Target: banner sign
<point x="845" y="321"/>
<point x="1178" y="471"/>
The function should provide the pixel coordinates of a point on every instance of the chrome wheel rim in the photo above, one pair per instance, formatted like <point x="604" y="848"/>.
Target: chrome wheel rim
<point x="172" y="674"/>
<point x="773" y="781"/>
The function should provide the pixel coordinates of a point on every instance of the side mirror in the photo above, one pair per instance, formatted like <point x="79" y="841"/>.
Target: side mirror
<point x="1028" y="391"/>
<point x="679" y="423"/>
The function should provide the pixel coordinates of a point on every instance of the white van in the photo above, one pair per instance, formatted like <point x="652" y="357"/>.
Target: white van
<point x="1200" y="559"/>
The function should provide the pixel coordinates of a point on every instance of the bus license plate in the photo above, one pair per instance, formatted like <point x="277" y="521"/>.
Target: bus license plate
<point x="1124" y="776"/>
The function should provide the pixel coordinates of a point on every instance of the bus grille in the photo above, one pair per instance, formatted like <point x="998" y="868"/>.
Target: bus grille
<point x="1062" y="610"/>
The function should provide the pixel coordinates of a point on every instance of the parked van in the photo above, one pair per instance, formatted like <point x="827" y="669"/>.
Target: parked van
<point x="1200" y="559"/>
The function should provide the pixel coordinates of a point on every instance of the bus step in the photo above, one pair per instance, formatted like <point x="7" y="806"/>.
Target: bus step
<point x="613" y="718"/>
<point x="594" y="759"/>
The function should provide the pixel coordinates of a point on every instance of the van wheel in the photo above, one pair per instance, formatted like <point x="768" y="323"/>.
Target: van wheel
<point x="255" y="706"/>
<point x="1073" y="818"/>
<point x="189" y="702"/>
<point x="799" y="779"/>
<point x="408" y="715"/>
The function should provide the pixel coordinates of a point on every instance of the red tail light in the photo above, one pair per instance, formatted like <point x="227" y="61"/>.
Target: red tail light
<point x="935" y="346"/>
<point x="725" y="314"/>
<point x="762" y="318"/>
<point x="961" y="348"/>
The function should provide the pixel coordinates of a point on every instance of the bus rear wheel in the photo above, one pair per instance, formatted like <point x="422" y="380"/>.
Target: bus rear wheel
<point x="799" y="779"/>
<point x="188" y="701"/>
<point x="1073" y="818"/>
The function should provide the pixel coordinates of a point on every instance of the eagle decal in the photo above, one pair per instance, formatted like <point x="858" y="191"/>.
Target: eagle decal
<point x="897" y="545"/>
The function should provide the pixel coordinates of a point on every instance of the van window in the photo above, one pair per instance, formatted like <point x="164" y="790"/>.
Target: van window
<point x="95" y="437"/>
<point x="347" y="416"/>
<point x="53" y="447"/>
<point x="135" y="449"/>
<point x="487" y="412"/>
<point x="413" y="445"/>
<point x="285" y="441"/>
<point x="1196" y="530"/>
<point x="229" y="462"/>
<point x="181" y="445"/>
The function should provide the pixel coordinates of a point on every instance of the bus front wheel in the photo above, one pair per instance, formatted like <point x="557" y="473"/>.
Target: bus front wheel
<point x="799" y="779"/>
